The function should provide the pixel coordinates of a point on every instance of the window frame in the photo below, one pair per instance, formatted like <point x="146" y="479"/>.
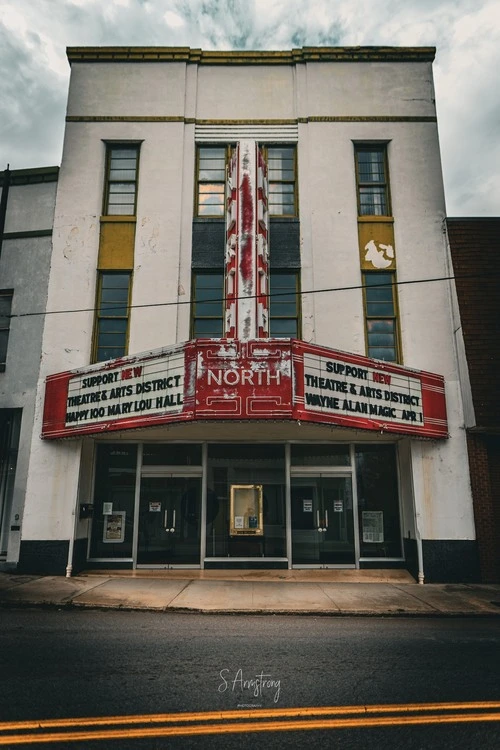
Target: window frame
<point x="394" y="317"/>
<point x="108" y="181"/>
<point x="205" y="272"/>
<point x="298" y="307"/>
<point x="99" y="317"/>
<point x="367" y="147"/>
<point x="6" y="293"/>
<point x="228" y="149"/>
<point x="266" y="147"/>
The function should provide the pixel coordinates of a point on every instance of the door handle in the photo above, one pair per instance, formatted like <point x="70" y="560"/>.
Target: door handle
<point x="326" y="519"/>
<point x="173" y="521"/>
<point x="165" y="521"/>
<point x="319" y="527"/>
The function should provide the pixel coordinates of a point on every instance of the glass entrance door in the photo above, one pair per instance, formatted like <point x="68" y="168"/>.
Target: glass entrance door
<point x="169" y="521"/>
<point x="322" y="521"/>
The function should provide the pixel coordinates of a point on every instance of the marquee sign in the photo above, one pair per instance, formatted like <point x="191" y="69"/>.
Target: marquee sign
<point x="244" y="380"/>
<point x="358" y="392"/>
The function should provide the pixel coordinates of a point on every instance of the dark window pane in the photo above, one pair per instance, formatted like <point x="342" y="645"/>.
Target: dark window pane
<point x="320" y="455"/>
<point x="208" y="309"/>
<point x="5" y="304"/>
<point x="113" y="309"/>
<point x="377" y="480"/>
<point x="381" y="339"/>
<point x="378" y="279"/>
<point x="280" y="327"/>
<point x="111" y="325"/>
<point x="209" y="295"/>
<point x="114" y="295"/>
<point x="208" y="328"/>
<point x="171" y="455"/>
<point x="284" y="309"/>
<point x="379" y="308"/>
<point x="4" y="339"/>
<point x="209" y="281"/>
<point x="111" y="339"/>
<point x="115" y="280"/>
<point x="113" y="316"/>
<point x="286" y="280"/>
<point x="379" y="294"/>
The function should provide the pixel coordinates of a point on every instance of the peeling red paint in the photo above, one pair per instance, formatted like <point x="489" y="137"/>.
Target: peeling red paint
<point x="247" y="237"/>
<point x="256" y="379"/>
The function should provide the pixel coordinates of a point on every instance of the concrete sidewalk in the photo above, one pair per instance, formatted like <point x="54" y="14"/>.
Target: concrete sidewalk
<point x="318" y="592"/>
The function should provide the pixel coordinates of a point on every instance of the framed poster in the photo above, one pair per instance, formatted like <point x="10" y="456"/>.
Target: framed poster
<point x="246" y="510"/>
<point x="114" y="527"/>
<point x="373" y="526"/>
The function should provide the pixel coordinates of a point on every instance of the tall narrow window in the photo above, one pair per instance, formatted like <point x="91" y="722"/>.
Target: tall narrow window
<point x="284" y="304"/>
<point x="281" y="166"/>
<point x="211" y="180"/>
<point x="372" y="182"/>
<point x="381" y="320"/>
<point x="112" y="315"/>
<point x="121" y="180"/>
<point x="207" y="305"/>
<point x="5" y="308"/>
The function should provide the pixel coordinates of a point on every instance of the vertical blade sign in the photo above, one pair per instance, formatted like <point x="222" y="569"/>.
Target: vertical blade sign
<point x="262" y="248"/>
<point x="231" y="264"/>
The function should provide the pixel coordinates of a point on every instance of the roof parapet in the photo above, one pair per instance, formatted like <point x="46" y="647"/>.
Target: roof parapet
<point x="250" y="57"/>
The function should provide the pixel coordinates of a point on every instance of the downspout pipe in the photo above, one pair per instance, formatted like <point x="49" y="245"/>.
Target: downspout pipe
<point x="417" y="517"/>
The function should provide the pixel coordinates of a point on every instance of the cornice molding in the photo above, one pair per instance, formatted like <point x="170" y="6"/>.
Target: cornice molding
<point x="250" y="57"/>
<point x="301" y="120"/>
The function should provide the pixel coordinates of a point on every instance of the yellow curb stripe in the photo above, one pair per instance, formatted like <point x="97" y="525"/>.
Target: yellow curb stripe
<point x="258" y="713"/>
<point x="242" y="728"/>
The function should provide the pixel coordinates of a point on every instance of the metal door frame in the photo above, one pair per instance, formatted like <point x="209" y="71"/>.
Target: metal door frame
<point x="341" y="472"/>
<point x="158" y="472"/>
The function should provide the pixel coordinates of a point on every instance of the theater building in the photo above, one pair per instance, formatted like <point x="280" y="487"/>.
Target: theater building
<point x="248" y="356"/>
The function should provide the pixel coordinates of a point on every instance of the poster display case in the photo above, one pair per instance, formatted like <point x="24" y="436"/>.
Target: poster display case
<point x="246" y="514"/>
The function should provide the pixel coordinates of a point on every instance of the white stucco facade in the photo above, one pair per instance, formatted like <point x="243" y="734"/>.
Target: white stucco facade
<point x="169" y="106"/>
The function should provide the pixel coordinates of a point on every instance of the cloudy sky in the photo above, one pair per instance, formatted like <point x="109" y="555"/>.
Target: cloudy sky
<point x="34" y="71"/>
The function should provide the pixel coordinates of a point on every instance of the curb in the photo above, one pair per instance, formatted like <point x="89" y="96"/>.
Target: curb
<point x="404" y="614"/>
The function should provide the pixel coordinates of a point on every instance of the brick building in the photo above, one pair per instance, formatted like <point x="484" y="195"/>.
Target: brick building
<point x="475" y="248"/>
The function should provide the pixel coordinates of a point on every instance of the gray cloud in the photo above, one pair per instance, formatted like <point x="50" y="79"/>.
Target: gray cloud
<point x="34" y="72"/>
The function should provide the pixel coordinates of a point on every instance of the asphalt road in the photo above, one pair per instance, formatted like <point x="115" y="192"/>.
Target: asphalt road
<point x="75" y="664"/>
